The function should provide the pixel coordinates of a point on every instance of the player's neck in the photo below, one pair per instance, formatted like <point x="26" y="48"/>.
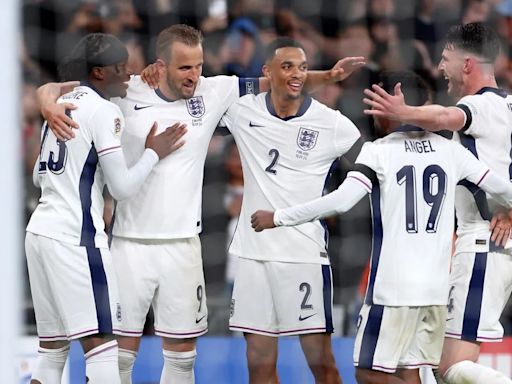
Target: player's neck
<point x="479" y="82"/>
<point x="285" y="107"/>
<point x="164" y="88"/>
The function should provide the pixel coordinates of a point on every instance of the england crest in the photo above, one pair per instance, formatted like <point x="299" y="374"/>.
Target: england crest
<point x="306" y="139"/>
<point x="195" y="106"/>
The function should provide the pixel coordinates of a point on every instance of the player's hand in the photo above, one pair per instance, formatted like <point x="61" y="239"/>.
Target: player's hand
<point x="345" y="67"/>
<point x="151" y="75"/>
<point x="261" y="220"/>
<point x="383" y="104"/>
<point x="167" y="141"/>
<point x="501" y="226"/>
<point x="61" y="124"/>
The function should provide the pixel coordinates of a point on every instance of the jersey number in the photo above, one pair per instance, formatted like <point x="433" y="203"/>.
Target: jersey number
<point x="434" y="190"/>
<point x="54" y="163"/>
<point x="275" y="156"/>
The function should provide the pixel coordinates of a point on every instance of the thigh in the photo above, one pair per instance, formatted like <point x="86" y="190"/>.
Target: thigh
<point x="302" y="296"/>
<point x="480" y="285"/>
<point x="133" y="264"/>
<point x="386" y="336"/>
<point x="252" y="306"/>
<point x="180" y="300"/>
<point x="81" y="286"/>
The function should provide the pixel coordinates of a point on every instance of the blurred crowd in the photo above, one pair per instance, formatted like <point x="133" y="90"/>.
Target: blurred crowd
<point x="391" y="34"/>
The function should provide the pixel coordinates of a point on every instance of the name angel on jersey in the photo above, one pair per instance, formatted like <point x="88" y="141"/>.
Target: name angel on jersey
<point x="418" y="146"/>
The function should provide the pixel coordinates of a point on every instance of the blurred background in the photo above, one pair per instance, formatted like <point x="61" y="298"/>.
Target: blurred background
<point x="391" y="34"/>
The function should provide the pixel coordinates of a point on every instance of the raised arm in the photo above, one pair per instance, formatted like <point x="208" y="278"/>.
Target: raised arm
<point x="348" y="194"/>
<point x="55" y="114"/>
<point x="430" y="117"/>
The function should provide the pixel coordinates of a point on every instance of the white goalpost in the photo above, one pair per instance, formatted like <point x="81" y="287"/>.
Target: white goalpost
<point x="11" y="192"/>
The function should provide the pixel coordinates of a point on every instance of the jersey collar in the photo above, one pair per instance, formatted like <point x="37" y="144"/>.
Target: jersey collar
<point x="85" y="83"/>
<point x="409" y="128"/>
<point x="162" y="96"/>
<point x="302" y="109"/>
<point x="498" y="91"/>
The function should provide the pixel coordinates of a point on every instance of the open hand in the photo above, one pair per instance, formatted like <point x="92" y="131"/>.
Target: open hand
<point x="167" y="141"/>
<point x="383" y="104"/>
<point x="151" y="75"/>
<point x="59" y="121"/>
<point x="501" y="225"/>
<point x="346" y="66"/>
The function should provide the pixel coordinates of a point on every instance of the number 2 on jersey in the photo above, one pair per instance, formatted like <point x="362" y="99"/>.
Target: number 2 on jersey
<point x="274" y="153"/>
<point x="434" y="190"/>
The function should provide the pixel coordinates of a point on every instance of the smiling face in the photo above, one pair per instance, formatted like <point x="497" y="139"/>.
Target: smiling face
<point x="451" y="67"/>
<point x="183" y="70"/>
<point x="287" y="72"/>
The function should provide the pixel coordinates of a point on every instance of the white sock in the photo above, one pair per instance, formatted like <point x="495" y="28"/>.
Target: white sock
<point x="126" y="360"/>
<point x="101" y="364"/>
<point x="50" y="364"/>
<point x="178" y="367"/>
<point x="467" y="372"/>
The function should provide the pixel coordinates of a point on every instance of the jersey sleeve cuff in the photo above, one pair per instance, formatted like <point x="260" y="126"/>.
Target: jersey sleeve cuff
<point x="106" y="151"/>
<point x="277" y="218"/>
<point x="362" y="179"/>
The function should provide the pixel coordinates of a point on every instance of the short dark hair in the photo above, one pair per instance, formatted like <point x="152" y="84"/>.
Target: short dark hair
<point x="476" y="38"/>
<point x="415" y="89"/>
<point x="179" y="32"/>
<point x="280" y="42"/>
<point x="93" y="50"/>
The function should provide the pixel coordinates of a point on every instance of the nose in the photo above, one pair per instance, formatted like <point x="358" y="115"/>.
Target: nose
<point x="194" y="74"/>
<point x="440" y="66"/>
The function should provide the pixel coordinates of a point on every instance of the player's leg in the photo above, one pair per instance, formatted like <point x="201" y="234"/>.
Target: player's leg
<point x="179" y="359"/>
<point x="253" y="312"/>
<point x="53" y="345"/>
<point x="318" y="351"/>
<point x="180" y="308"/>
<point x="137" y="282"/>
<point x="262" y="358"/>
<point x="369" y="376"/>
<point x="480" y="287"/>
<point x="101" y="359"/>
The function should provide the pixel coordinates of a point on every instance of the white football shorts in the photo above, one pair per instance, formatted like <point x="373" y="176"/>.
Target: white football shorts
<point x="391" y="338"/>
<point x="165" y="274"/>
<point x="74" y="289"/>
<point x="480" y="286"/>
<point x="279" y="299"/>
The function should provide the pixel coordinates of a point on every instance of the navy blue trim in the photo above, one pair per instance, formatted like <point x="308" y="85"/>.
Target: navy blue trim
<point x="378" y="234"/>
<point x="87" y="84"/>
<point x="367" y="171"/>
<point x="370" y="337"/>
<point x="162" y="96"/>
<point x="323" y="222"/>
<point x="409" y="128"/>
<point x="479" y="195"/>
<point x="469" y="116"/>
<point x="306" y="103"/>
<point x="327" y="291"/>
<point x="100" y="290"/>
<point x="88" y="232"/>
<point x="473" y="307"/>
<point x="497" y="91"/>
<point x="249" y="86"/>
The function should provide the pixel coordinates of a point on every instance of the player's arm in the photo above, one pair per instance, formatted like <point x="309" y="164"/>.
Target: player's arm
<point x="35" y="174"/>
<point x="339" y="72"/>
<point x="430" y="117"/>
<point x="348" y="194"/>
<point x="55" y="114"/>
<point x="122" y="181"/>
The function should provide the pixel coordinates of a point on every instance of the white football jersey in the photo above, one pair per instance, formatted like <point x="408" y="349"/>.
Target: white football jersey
<point x="487" y="134"/>
<point x="169" y="203"/>
<point x="285" y="162"/>
<point x="413" y="176"/>
<point x="71" y="205"/>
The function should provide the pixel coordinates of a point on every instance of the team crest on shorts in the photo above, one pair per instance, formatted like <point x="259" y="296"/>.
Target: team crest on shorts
<point x="195" y="106"/>
<point x="306" y="140"/>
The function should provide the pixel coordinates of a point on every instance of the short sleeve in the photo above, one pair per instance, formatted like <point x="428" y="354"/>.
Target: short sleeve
<point x="107" y="124"/>
<point x="346" y="134"/>
<point x="368" y="155"/>
<point x="474" y="109"/>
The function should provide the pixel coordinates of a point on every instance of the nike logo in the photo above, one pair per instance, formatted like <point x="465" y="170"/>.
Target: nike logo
<point x="199" y="320"/>
<point x="251" y="124"/>
<point x="306" y="317"/>
<point x="137" y="108"/>
<point x="449" y="319"/>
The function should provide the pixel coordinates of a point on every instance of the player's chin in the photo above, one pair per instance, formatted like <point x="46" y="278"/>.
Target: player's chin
<point x="188" y="92"/>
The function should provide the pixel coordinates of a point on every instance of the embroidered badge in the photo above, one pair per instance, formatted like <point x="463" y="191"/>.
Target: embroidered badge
<point x="195" y="106"/>
<point x="306" y="140"/>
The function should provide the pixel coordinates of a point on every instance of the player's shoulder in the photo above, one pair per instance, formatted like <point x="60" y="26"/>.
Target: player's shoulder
<point x="88" y="101"/>
<point x="320" y="108"/>
<point x="216" y="82"/>
<point x="486" y="96"/>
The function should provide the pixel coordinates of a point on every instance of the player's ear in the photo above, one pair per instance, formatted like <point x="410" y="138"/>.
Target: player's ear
<point x="266" y="71"/>
<point x="468" y="65"/>
<point x="98" y="73"/>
